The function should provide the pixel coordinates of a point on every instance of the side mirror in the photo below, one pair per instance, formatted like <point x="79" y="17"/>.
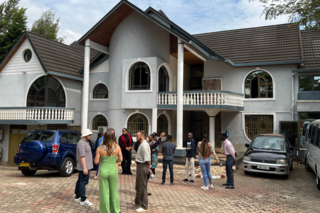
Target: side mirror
<point x="247" y="145"/>
<point x="291" y="148"/>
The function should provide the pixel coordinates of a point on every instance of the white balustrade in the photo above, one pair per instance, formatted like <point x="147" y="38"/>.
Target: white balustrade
<point x="198" y="98"/>
<point x="37" y="114"/>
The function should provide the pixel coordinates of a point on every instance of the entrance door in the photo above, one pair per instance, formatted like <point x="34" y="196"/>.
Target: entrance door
<point x="17" y="133"/>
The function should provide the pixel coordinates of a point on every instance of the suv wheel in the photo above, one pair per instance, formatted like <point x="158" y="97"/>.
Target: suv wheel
<point x="306" y="165"/>
<point x="28" y="172"/>
<point x="318" y="182"/>
<point x="67" y="167"/>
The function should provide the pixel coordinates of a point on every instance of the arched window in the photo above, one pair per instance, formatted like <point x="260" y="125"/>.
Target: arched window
<point x="99" y="120"/>
<point x="139" y="78"/>
<point x="46" y="91"/>
<point x="162" y="124"/>
<point x="163" y="80"/>
<point x="258" y="84"/>
<point x="100" y="92"/>
<point x="137" y="122"/>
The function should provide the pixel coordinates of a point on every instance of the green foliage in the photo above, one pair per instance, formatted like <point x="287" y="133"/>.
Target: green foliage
<point x="306" y="13"/>
<point x="7" y="10"/>
<point x="47" y="27"/>
<point x="15" y="29"/>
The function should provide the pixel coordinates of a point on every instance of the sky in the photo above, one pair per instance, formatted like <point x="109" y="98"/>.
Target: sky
<point x="194" y="16"/>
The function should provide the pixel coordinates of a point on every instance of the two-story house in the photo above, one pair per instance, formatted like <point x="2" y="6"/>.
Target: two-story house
<point x="137" y="69"/>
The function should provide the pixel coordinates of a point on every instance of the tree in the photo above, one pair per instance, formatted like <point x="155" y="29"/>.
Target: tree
<point x="15" y="29"/>
<point x="306" y="13"/>
<point x="47" y="27"/>
<point x="7" y="10"/>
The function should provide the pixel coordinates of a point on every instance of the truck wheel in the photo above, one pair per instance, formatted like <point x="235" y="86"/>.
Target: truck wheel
<point x="66" y="169"/>
<point x="28" y="172"/>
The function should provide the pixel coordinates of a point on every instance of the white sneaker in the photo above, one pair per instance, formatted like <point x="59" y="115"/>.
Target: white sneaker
<point x="95" y="177"/>
<point x="77" y="199"/>
<point x="204" y="187"/>
<point x="211" y="186"/>
<point x="86" y="203"/>
<point x="141" y="210"/>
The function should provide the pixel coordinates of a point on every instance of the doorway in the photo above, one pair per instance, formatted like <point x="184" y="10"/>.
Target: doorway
<point x="17" y="134"/>
<point x="290" y="130"/>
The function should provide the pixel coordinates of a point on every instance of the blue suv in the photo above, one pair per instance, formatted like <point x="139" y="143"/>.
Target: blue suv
<point x="48" y="150"/>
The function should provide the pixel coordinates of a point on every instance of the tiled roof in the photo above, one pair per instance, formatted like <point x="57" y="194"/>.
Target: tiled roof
<point x="259" y="44"/>
<point x="59" y="57"/>
<point x="311" y="48"/>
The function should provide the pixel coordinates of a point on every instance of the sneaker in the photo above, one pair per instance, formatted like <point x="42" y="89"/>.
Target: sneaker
<point x="204" y="187"/>
<point x="211" y="186"/>
<point x="86" y="203"/>
<point x="185" y="181"/>
<point x="191" y="181"/>
<point x="163" y="183"/>
<point x="172" y="184"/>
<point x="95" y="177"/>
<point x="77" y="199"/>
<point x="141" y="210"/>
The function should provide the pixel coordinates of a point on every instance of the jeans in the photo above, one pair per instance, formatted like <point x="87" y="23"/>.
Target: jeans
<point x="229" y="171"/>
<point x="83" y="180"/>
<point x="205" y="168"/>
<point x="165" y="164"/>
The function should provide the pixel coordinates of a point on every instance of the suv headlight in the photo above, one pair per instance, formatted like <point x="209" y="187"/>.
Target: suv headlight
<point x="281" y="161"/>
<point x="247" y="158"/>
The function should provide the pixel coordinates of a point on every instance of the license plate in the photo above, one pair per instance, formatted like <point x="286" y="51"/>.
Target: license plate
<point x="263" y="167"/>
<point x="24" y="164"/>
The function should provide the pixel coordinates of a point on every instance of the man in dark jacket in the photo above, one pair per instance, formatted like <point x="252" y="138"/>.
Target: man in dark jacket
<point x="191" y="155"/>
<point x="126" y="143"/>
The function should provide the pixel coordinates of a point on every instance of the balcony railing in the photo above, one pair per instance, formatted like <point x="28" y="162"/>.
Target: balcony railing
<point x="202" y="98"/>
<point x="37" y="113"/>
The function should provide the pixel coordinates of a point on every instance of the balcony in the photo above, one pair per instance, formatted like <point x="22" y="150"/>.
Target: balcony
<point x="36" y="115"/>
<point x="202" y="99"/>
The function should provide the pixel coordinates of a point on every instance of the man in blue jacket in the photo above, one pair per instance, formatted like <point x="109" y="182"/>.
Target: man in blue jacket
<point x="191" y="155"/>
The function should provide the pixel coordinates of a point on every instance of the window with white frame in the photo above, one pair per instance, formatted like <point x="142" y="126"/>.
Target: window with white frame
<point x="137" y="122"/>
<point x="139" y="77"/>
<point x="258" y="84"/>
<point x="163" y="80"/>
<point x="100" y="92"/>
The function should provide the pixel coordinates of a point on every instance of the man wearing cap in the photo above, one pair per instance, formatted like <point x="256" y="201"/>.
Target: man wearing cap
<point x="84" y="165"/>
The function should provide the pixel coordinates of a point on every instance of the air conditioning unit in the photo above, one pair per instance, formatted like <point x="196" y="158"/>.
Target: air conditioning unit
<point x="102" y="129"/>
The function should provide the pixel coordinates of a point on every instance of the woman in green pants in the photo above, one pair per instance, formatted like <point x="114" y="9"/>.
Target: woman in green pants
<point x="108" y="154"/>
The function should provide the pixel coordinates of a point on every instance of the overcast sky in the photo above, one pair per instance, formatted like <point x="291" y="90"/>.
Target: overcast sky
<point x="194" y="16"/>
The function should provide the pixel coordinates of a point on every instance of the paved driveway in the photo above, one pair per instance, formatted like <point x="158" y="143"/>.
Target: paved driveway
<point x="48" y="192"/>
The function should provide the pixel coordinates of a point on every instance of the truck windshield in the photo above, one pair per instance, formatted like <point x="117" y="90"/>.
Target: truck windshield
<point x="269" y="143"/>
<point x="46" y="137"/>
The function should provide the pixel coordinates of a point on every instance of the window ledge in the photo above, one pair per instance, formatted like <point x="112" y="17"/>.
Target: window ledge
<point x="258" y="99"/>
<point x="139" y="91"/>
<point x="98" y="99"/>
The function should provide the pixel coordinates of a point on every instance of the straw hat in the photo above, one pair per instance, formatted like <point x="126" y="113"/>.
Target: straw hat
<point x="86" y="132"/>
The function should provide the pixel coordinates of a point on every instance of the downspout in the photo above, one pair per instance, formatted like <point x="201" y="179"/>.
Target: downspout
<point x="293" y="99"/>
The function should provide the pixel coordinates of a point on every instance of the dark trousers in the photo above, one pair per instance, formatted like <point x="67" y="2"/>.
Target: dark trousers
<point x="83" y="180"/>
<point x="141" y="199"/>
<point x="165" y="164"/>
<point x="126" y="162"/>
<point x="229" y="171"/>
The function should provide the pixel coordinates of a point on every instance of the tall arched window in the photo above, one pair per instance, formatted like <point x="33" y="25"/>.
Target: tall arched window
<point x="137" y="122"/>
<point x="99" y="120"/>
<point x="100" y="92"/>
<point x="163" y="80"/>
<point x="162" y="124"/>
<point x="258" y="84"/>
<point x="139" y="78"/>
<point x="46" y="91"/>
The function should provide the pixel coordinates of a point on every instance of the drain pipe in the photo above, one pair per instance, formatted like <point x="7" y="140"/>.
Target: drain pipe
<point x="293" y="99"/>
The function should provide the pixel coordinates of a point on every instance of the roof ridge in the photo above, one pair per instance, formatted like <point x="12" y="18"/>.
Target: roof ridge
<point x="242" y="29"/>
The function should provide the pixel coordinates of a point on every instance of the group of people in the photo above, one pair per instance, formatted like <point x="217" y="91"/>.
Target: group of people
<point x="109" y="153"/>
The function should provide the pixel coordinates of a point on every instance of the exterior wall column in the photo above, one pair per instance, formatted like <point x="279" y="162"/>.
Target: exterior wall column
<point x="85" y="88"/>
<point x="154" y="120"/>
<point x="212" y="122"/>
<point x="180" y="94"/>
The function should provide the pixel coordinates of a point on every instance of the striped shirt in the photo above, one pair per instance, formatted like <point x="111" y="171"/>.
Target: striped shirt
<point x="229" y="149"/>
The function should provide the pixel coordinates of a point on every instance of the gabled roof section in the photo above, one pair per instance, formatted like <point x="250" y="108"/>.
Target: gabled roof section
<point x="311" y="48"/>
<point x="55" y="58"/>
<point x="101" y="32"/>
<point x="277" y="43"/>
